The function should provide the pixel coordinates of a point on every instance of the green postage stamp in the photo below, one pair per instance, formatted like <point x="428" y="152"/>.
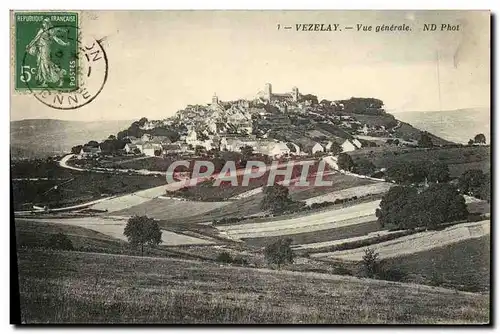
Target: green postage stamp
<point x="46" y="51"/>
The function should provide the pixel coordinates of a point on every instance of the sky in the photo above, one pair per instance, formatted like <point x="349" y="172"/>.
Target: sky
<point x="161" y="61"/>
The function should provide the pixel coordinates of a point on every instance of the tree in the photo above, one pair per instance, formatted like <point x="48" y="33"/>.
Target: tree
<point x="93" y="143"/>
<point x="345" y="162"/>
<point x="407" y="172"/>
<point x="440" y="203"/>
<point x="199" y="150"/>
<point x="425" y="140"/>
<point x="364" y="167"/>
<point x="480" y="139"/>
<point x="141" y="231"/>
<point x="276" y="198"/>
<point x="336" y="148"/>
<point x="403" y="207"/>
<point x="76" y="149"/>
<point x="246" y="151"/>
<point x="107" y="146"/>
<point x="471" y="181"/>
<point x="438" y="172"/>
<point x="392" y="204"/>
<point x="485" y="191"/>
<point x="309" y="97"/>
<point x="279" y="252"/>
<point x="142" y="121"/>
<point x="471" y="142"/>
<point x="371" y="263"/>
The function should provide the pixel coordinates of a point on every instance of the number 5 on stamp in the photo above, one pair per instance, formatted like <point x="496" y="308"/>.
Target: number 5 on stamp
<point x="46" y="51"/>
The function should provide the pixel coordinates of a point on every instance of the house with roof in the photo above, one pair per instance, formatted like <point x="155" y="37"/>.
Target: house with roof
<point x="174" y="148"/>
<point x="150" y="148"/>
<point x="130" y="148"/>
<point x="357" y="143"/>
<point x="89" y="152"/>
<point x="279" y="149"/>
<point x="160" y="140"/>
<point x="146" y="137"/>
<point x="233" y="143"/>
<point x="313" y="148"/>
<point x="348" y="146"/>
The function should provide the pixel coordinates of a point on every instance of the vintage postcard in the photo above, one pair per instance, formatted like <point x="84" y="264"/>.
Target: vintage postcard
<point x="250" y="167"/>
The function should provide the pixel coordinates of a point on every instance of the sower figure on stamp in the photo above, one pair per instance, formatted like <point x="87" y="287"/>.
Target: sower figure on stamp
<point x="47" y="71"/>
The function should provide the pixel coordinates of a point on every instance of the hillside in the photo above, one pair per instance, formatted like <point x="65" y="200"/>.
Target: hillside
<point x="39" y="138"/>
<point x="77" y="287"/>
<point x="454" y="125"/>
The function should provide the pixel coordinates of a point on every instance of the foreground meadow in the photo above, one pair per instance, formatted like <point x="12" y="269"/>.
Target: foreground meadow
<point x="73" y="287"/>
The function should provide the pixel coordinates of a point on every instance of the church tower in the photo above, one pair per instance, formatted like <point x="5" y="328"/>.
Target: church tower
<point x="268" y="92"/>
<point x="215" y="99"/>
<point x="295" y="94"/>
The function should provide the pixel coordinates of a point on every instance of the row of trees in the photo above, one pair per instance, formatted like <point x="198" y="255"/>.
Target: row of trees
<point x="475" y="183"/>
<point x="404" y="207"/>
<point x="109" y="145"/>
<point x="403" y="172"/>
<point x="135" y="130"/>
<point x="478" y="139"/>
<point x="115" y="143"/>
<point x="407" y="172"/>
<point x="361" y="105"/>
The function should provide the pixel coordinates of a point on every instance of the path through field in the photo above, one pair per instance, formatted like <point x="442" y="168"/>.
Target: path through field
<point x="414" y="243"/>
<point x="323" y="220"/>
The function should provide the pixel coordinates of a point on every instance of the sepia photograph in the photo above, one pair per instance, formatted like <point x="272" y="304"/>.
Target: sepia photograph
<point x="250" y="167"/>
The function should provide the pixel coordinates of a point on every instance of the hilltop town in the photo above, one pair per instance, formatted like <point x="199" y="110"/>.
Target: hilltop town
<point x="271" y="124"/>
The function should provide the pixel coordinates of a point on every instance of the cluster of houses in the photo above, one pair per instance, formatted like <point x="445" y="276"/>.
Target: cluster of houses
<point x="229" y="126"/>
<point x="154" y="146"/>
<point x="160" y="146"/>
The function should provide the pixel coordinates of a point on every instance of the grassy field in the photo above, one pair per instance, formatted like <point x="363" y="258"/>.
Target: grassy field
<point x="170" y="209"/>
<point x="251" y="205"/>
<point x="458" y="159"/>
<point x="340" y="182"/>
<point x="70" y="287"/>
<point x="239" y="208"/>
<point x="35" y="234"/>
<point x="81" y="186"/>
<point x="464" y="265"/>
<point x="320" y="236"/>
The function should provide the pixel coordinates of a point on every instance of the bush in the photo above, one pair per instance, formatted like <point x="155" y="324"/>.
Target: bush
<point x="240" y="261"/>
<point x="371" y="263"/>
<point x="224" y="257"/>
<point x="279" y="252"/>
<point x="60" y="241"/>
